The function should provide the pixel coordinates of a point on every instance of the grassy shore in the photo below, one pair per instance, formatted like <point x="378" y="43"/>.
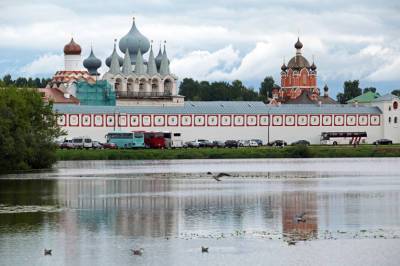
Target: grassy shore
<point x="316" y="151"/>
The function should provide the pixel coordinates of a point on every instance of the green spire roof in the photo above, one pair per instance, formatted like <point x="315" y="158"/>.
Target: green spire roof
<point x="115" y="66"/>
<point x="139" y="67"/>
<point x="367" y="97"/>
<point x="151" y="65"/>
<point x="164" y="68"/>
<point x="127" y="66"/>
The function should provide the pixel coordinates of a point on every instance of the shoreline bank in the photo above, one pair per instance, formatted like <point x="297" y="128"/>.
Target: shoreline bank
<point x="300" y="151"/>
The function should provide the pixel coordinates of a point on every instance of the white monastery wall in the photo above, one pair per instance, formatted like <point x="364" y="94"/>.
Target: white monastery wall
<point x="288" y="127"/>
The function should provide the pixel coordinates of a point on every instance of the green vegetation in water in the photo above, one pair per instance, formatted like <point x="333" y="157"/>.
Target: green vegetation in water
<point x="299" y="151"/>
<point x="28" y="129"/>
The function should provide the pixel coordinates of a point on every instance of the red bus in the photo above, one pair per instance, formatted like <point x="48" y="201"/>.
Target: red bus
<point x="154" y="140"/>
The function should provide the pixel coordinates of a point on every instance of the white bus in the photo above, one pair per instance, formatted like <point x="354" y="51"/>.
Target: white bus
<point x="336" y="138"/>
<point x="173" y="140"/>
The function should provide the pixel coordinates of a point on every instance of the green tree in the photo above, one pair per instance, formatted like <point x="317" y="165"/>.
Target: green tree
<point x="8" y="80"/>
<point x="28" y="129"/>
<point x="351" y="90"/>
<point x="396" y="92"/>
<point x="267" y="85"/>
<point x="372" y="89"/>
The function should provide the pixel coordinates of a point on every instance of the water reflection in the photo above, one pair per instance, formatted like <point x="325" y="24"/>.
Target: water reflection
<point x="108" y="213"/>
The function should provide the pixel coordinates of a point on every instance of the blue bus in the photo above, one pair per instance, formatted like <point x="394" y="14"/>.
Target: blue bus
<point x="126" y="140"/>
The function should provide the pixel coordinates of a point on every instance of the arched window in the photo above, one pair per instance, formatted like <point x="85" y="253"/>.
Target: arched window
<point x="117" y="84"/>
<point x="168" y="87"/>
<point x="395" y="105"/>
<point x="395" y="120"/>
<point x="390" y="120"/>
<point x="390" y="108"/>
<point x="142" y="84"/>
<point x="129" y="85"/>
<point x="154" y="85"/>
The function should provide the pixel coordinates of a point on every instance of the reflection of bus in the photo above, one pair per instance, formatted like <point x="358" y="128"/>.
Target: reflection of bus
<point x="154" y="140"/>
<point x="173" y="140"/>
<point x="335" y="138"/>
<point x="126" y="139"/>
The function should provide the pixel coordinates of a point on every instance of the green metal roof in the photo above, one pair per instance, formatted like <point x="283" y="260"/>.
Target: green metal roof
<point x="386" y="97"/>
<point x="220" y="107"/>
<point x="365" y="97"/>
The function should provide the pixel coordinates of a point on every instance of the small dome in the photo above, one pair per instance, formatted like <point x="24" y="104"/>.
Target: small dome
<point x="283" y="67"/>
<point x="313" y="67"/>
<point x="133" y="41"/>
<point x="120" y="59"/>
<point x="326" y="88"/>
<point x="92" y="63"/>
<point x="298" y="44"/>
<point x="72" y="48"/>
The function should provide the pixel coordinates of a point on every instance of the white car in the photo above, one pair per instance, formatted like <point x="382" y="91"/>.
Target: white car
<point x="244" y="143"/>
<point x="253" y="143"/>
<point x="82" y="142"/>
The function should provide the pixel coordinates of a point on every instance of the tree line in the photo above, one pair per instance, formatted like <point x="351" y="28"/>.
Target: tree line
<point x="194" y="90"/>
<point x="22" y="82"/>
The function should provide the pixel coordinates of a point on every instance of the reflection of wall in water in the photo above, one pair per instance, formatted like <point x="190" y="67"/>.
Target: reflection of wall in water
<point x="294" y="203"/>
<point x="133" y="206"/>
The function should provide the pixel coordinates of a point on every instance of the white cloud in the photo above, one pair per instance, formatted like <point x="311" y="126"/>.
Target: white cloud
<point x="390" y="72"/>
<point x="44" y="65"/>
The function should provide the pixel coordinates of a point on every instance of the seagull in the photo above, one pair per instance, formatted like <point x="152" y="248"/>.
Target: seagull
<point x="137" y="252"/>
<point x="204" y="249"/>
<point x="47" y="252"/>
<point x="300" y="217"/>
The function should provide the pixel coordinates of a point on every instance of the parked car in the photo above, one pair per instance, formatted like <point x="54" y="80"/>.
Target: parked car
<point x="277" y="143"/>
<point x="192" y="144"/>
<point x="110" y="145"/>
<point x="203" y="143"/>
<point x="97" y="145"/>
<point x="301" y="142"/>
<point x="231" y="144"/>
<point x="244" y="143"/>
<point x="67" y="144"/>
<point x="258" y="141"/>
<point x="253" y="143"/>
<point x="218" y="144"/>
<point x="383" y="142"/>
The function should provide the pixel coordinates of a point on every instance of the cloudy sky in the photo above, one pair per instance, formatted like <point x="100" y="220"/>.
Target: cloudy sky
<point x="214" y="40"/>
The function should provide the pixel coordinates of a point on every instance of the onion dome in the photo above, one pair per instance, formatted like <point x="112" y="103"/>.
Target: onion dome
<point x="92" y="63"/>
<point x="313" y="67"/>
<point x="298" y="44"/>
<point x="72" y="48"/>
<point x="298" y="62"/>
<point x="134" y="41"/>
<point x="159" y="58"/>
<point x="326" y="89"/>
<point x="284" y="67"/>
<point x="120" y="60"/>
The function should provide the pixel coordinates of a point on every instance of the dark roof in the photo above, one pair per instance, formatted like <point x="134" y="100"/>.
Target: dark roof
<point x="298" y="62"/>
<point x="306" y="98"/>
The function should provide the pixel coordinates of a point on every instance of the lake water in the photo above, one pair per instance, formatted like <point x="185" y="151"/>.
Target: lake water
<point x="95" y="212"/>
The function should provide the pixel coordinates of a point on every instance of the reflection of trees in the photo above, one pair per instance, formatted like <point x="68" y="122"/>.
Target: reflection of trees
<point x="27" y="192"/>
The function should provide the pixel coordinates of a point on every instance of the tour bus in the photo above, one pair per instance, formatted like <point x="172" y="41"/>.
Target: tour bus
<point x="173" y="140"/>
<point x="154" y="140"/>
<point x="126" y="140"/>
<point x="336" y="138"/>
